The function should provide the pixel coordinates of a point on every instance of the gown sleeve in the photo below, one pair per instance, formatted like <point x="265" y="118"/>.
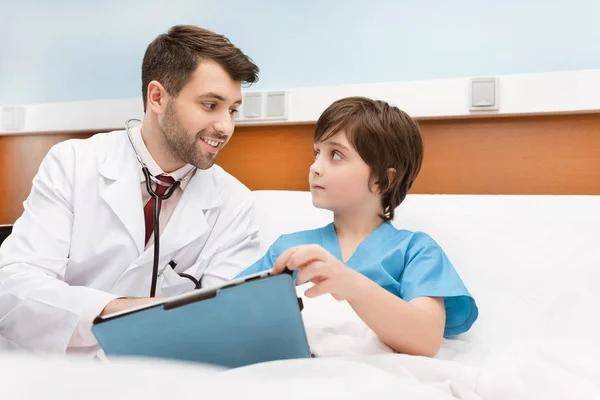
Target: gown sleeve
<point x="429" y="273"/>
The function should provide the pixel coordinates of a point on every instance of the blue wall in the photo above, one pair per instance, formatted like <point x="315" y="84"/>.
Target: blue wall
<point x="67" y="50"/>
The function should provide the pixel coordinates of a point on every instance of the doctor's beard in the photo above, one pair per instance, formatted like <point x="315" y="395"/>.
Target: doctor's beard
<point x="180" y="145"/>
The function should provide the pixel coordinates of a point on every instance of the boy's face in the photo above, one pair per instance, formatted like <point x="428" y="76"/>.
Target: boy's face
<point x="339" y="178"/>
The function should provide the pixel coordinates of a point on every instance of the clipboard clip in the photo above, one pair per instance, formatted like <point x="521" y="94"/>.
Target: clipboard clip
<point x="205" y="294"/>
<point x="291" y="273"/>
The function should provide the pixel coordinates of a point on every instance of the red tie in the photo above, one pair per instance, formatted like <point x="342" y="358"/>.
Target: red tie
<point x="149" y="207"/>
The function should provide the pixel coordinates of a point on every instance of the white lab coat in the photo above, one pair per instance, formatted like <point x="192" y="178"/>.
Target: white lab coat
<point x="79" y="243"/>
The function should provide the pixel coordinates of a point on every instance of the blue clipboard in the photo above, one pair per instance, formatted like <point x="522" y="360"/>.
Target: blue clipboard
<point x="246" y="321"/>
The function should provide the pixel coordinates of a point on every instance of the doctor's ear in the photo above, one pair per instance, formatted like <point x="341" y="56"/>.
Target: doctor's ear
<point x="157" y="97"/>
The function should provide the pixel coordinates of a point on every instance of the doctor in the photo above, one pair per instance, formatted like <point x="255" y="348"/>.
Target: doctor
<point x="84" y="244"/>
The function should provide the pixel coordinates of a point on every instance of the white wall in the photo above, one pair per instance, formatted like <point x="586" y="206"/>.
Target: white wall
<point x="522" y="94"/>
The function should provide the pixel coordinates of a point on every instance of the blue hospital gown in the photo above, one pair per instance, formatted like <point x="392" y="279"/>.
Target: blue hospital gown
<point x="407" y="264"/>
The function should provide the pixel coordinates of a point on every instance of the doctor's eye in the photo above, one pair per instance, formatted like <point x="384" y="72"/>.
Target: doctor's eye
<point x="234" y="112"/>
<point x="210" y="106"/>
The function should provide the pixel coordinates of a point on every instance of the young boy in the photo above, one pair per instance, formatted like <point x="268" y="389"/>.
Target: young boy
<point x="400" y="283"/>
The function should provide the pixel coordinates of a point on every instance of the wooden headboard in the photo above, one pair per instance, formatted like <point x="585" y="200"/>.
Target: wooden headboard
<point x="550" y="154"/>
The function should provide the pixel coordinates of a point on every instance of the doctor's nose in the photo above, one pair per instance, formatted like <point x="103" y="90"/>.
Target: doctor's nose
<point x="224" y="126"/>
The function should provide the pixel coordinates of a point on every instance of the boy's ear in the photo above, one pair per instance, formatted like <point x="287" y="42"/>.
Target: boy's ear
<point x="391" y="174"/>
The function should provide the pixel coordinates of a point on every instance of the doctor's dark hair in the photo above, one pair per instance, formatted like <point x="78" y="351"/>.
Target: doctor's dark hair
<point x="384" y="136"/>
<point x="172" y="58"/>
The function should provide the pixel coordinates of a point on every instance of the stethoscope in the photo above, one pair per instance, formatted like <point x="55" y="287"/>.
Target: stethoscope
<point x="157" y="200"/>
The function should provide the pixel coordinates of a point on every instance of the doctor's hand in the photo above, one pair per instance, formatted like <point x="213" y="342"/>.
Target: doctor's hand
<point x="127" y="303"/>
<point x="317" y="265"/>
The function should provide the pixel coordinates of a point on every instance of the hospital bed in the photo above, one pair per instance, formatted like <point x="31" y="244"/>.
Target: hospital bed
<point x="532" y="262"/>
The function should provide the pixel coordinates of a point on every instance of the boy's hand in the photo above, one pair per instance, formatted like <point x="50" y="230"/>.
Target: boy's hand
<point x="317" y="265"/>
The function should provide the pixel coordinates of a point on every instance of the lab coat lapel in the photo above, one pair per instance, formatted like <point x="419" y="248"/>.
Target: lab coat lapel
<point x="120" y="189"/>
<point x="189" y="220"/>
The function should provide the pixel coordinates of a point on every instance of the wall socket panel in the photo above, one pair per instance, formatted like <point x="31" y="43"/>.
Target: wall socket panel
<point x="263" y="106"/>
<point x="483" y="94"/>
<point x="12" y="118"/>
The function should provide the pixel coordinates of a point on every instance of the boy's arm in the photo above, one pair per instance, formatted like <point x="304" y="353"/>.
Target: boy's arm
<point x="415" y="327"/>
<point x="263" y="264"/>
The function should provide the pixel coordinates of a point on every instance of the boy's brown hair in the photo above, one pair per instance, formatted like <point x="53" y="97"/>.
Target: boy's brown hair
<point x="384" y="136"/>
<point x="172" y="58"/>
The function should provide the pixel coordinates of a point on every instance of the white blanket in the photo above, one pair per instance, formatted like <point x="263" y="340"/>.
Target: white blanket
<point x="549" y="369"/>
<point x="352" y="364"/>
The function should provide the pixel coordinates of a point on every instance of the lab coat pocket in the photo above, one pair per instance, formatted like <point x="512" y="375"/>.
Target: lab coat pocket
<point x="170" y="283"/>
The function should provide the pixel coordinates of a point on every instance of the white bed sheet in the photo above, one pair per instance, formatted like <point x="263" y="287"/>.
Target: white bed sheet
<point x="352" y="364"/>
